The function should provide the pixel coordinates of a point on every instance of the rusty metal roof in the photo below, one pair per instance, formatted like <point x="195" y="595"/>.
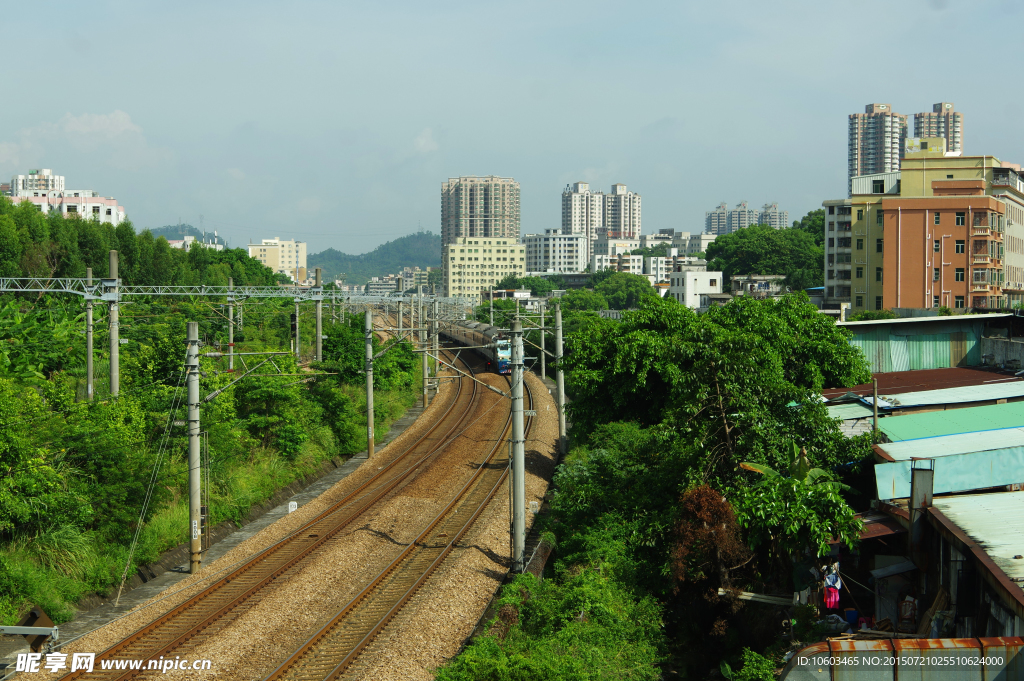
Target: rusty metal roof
<point x="896" y="382"/>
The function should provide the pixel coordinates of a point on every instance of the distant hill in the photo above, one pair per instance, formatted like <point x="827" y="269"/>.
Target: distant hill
<point x="178" y="232"/>
<point x="422" y="249"/>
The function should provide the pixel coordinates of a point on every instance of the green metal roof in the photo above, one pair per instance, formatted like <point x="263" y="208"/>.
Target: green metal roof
<point x="852" y="410"/>
<point x="994" y="521"/>
<point x="952" y="421"/>
<point x="951" y="445"/>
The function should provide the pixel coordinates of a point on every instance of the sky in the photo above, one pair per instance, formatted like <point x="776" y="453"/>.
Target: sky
<point x="336" y="122"/>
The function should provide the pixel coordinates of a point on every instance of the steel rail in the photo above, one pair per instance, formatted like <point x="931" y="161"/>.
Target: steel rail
<point x="189" y="618"/>
<point x="330" y="651"/>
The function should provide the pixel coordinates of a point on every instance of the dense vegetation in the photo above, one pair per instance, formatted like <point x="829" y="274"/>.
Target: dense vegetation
<point x="422" y="249"/>
<point x="74" y="474"/>
<point x="652" y="512"/>
<point x="760" y="249"/>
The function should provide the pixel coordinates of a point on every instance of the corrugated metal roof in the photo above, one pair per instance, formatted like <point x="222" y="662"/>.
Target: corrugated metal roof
<point x="853" y="410"/>
<point x="970" y="393"/>
<point x="949" y="445"/>
<point x="952" y="421"/>
<point x="994" y="521"/>
<point x="963" y="472"/>
<point x="895" y="382"/>
<point x="925" y="320"/>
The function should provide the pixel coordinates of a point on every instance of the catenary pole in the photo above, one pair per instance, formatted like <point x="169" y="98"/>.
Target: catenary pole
<point x="518" y="452"/>
<point x="298" y="323"/>
<point x="559" y="380"/>
<point x="115" y="337"/>
<point x="491" y="314"/>
<point x="543" y="353"/>
<point x="369" y="383"/>
<point x="423" y="346"/>
<point x="89" y="387"/>
<point x="400" y="313"/>
<point x="194" y="470"/>
<point x="319" y="319"/>
<point x="231" y="324"/>
<point x="436" y="329"/>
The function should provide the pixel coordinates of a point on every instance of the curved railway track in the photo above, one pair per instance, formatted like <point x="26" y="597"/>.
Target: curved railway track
<point x="208" y="611"/>
<point x="332" y="650"/>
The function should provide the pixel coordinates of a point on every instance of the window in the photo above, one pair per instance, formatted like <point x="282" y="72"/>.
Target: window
<point x="960" y="246"/>
<point x="879" y="217"/>
<point x="878" y="245"/>
<point x="899" y="183"/>
<point x="831" y="291"/>
<point x="949" y="177"/>
<point x="937" y="216"/>
<point x="831" y="259"/>
<point x="860" y="213"/>
<point x="878" y="274"/>
<point x="860" y="244"/>
<point x="860" y="301"/>
<point x="961" y="218"/>
<point x="937" y="246"/>
<point x="95" y="210"/>
<point x="844" y="242"/>
<point x="860" y="272"/>
<point x="831" y="210"/>
<point x="936" y="274"/>
<point x="831" y="274"/>
<point x="831" y="226"/>
<point x="958" y="301"/>
<point x="711" y="282"/>
<point x="877" y="186"/>
<point x="878" y="302"/>
<point x="959" y="274"/>
<point x="935" y="301"/>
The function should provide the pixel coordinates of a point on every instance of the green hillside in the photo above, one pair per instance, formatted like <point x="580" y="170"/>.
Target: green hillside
<point x="172" y="232"/>
<point x="422" y="249"/>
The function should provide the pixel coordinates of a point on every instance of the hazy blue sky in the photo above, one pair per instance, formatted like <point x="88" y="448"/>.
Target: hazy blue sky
<point x="337" y="122"/>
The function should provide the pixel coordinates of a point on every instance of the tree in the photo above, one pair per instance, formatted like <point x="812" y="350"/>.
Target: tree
<point x="583" y="299"/>
<point x="435" y="278"/>
<point x="813" y="224"/>
<point x="624" y="291"/>
<point x="871" y="315"/>
<point x="760" y="249"/>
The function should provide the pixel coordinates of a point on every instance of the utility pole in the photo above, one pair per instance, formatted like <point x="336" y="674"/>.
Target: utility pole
<point x="492" y="307"/>
<point x="194" y="470"/>
<point x="400" y="313"/>
<point x="423" y="347"/>
<point x="115" y="339"/>
<point x="231" y="324"/>
<point x="369" y="383"/>
<point x="319" y="318"/>
<point x="89" y="389"/>
<point x="543" y="353"/>
<point x="298" y="323"/>
<point x="436" y="328"/>
<point x="518" y="452"/>
<point x="559" y="380"/>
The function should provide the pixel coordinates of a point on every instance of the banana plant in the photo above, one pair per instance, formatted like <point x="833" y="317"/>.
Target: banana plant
<point x="799" y="469"/>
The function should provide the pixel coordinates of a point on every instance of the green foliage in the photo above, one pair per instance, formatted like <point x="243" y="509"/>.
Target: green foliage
<point x="657" y="251"/>
<point x="813" y="224"/>
<point x="37" y="341"/>
<point x="760" y="249"/>
<point x="539" y="286"/>
<point x="422" y="249"/>
<point x="756" y="667"/>
<point x="582" y="300"/>
<point x="871" y="315"/>
<point x="581" y="626"/>
<point x="625" y="291"/>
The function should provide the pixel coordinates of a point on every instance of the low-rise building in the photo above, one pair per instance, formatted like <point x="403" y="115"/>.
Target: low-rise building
<point x="281" y="255"/>
<point x="186" y="243"/>
<point x="698" y="243"/>
<point x="473" y="265"/>
<point x="84" y="203"/>
<point x="659" y="267"/>
<point x="666" y="237"/>
<point x="381" y="286"/>
<point x="634" y="264"/>
<point x="555" y="252"/>
<point x="758" y="285"/>
<point x="693" y="288"/>
<point x="614" y="246"/>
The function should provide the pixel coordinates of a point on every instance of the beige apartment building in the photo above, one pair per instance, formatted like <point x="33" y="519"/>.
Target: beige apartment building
<point x="942" y="121"/>
<point x="875" y="141"/>
<point x="283" y="256"/>
<point x="479" y="208"/>
<point x="474" y="265"/>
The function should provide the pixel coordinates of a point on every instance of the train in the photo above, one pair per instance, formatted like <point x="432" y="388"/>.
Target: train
<point x="487" y="341"/>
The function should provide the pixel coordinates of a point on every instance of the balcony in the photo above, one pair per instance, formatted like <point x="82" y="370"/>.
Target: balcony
<point x="982" y="260"/>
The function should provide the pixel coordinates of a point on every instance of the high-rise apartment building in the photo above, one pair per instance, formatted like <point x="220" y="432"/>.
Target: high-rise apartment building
<point x="554" y="251"/>
<point x="876" y="141"/>
<point x="48" y="192"/>
<point x="942" y="121"/>
<point x="621" y="213"/>
<point x="283" y="256"/>
<point x="471" y="266"/>
<point x="723" y="220"/>
<point x="479" y="207"/>
<point x="773" y="217"/>
<point x="582" y="212"/>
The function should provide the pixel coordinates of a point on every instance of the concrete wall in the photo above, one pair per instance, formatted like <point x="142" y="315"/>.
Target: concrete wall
<point x="1002" y="350"/>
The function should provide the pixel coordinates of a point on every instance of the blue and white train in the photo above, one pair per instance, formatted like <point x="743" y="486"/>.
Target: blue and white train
<point x="486" y="340"/>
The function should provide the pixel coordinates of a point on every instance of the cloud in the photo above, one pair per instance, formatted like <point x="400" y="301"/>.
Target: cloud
<point x="425" y="142"/>
<point x="111" y="138"/>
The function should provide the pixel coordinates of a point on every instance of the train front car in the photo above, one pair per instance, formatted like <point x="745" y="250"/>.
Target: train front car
<point x="504" y="352"/>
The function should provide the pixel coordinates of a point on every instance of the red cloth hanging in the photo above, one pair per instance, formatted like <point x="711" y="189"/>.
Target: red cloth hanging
<point x="831" y="597"/>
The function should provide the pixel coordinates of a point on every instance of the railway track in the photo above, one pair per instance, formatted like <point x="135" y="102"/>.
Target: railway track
<point x="210" y="610"/>
<point x="331" y="651"/>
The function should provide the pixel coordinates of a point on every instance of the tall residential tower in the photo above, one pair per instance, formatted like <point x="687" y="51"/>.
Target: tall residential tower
<point x="942" y="121"/>
<point x="876" y="141"/>
<point x="483" y="207"/>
